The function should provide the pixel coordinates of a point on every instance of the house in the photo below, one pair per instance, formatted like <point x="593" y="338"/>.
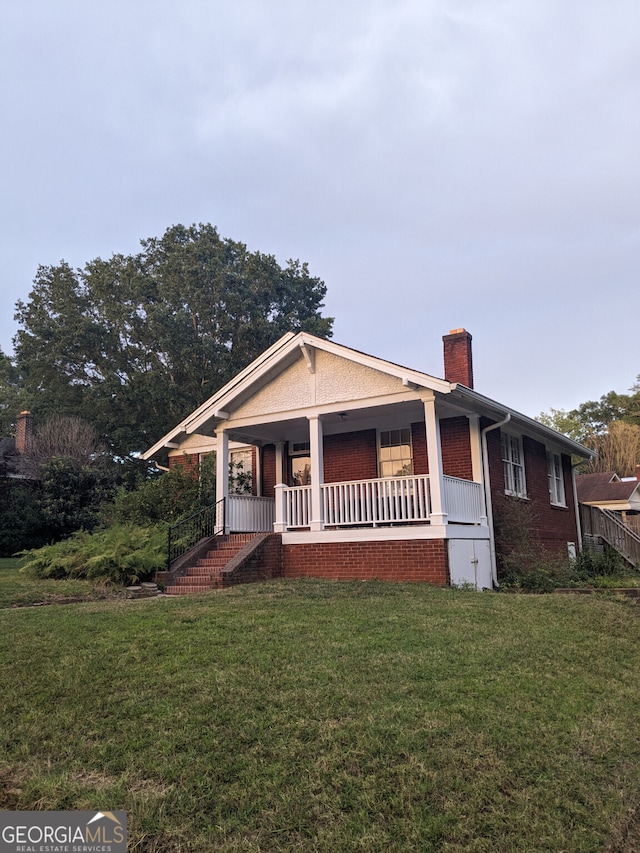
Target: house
<point x="610" y="509"/>
<point x="365" y="469"/>
<point x="14" y="452"/>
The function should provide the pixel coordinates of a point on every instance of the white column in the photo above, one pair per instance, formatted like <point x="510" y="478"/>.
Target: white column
<point x="434" y="454"/>
<point x="222" y="472"/>
<point x="475" y="439"/>
<point x="280" y="491"/>
<point x="281" y="476"/>
<point x="257" y="474"/>
<point x="280" y="523"/>
<point x="317" y="472"/>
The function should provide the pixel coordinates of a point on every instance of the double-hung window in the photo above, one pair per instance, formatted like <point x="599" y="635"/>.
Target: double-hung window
<point x="395" y="458"/>
<point x="513" y="465"/>
<point x="556" y="479"/>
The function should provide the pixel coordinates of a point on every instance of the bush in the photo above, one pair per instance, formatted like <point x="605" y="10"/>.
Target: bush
<point x="523" y="561"/>
<point x="591" y="564"/>
<point x="169" y="496"/>
<point x="122" y="554"/>
<point x="21" y="522"/>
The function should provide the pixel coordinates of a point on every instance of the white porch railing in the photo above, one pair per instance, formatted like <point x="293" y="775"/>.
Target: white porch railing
<point x="382" y="501"/>
<point x="463" y="501"/>
<point x="376" y="501"/>
<point x="297" y="506"/>
<point x="248" y="514"/>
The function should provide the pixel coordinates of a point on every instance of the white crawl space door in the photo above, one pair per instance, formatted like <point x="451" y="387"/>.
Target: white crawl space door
<point x="470" y="563"/>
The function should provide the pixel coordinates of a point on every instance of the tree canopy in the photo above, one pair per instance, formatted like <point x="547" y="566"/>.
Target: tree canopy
<point x="610" y="426"/>
<point x="136" y="342"/>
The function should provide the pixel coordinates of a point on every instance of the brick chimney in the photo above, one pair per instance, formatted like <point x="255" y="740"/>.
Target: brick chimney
<point x="458" y="362"/>
<point x="638" y="473"/>
<point x="24" y="432"/>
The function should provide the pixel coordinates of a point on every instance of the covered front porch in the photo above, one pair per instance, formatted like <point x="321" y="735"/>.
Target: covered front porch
<point x="402" y="442"/>
<point x="380" y="502"/>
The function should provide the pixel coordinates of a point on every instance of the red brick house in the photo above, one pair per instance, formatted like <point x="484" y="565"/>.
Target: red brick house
<point x="364" y="469"/>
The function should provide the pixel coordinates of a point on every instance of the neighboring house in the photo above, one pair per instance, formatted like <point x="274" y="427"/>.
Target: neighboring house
<point x="608" y="492"/>
<point x="367" y="469"/>
<point x="14" y="452"/>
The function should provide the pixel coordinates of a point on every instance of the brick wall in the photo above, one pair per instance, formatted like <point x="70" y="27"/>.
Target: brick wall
<point x="262" y="562"/>
<point x="268" y="470"/>
<point x="186" y="461"/>
<point x="350" y="456"/>
<point x="554" y="526"/>
<point x="407" y="560"/>
<point x="456" y="448"/>
<point x="419" y="447"/>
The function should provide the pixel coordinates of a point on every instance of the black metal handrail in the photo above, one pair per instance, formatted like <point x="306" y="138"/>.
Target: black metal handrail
<point x="201" y="524"/>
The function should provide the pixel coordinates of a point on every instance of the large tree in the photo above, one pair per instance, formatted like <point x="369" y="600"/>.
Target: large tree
<point x="610" y="426"/>
<point x="135" y="342"/>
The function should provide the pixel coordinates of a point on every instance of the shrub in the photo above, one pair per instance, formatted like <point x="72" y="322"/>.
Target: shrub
<point x="523" y="561"/>
<point x="121" y="554"/>
<point x="169" y="496"/>
<point x="21" y="523"/>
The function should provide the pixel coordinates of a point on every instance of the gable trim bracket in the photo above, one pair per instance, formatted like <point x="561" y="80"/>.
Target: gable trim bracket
<point x="309" y="354"/>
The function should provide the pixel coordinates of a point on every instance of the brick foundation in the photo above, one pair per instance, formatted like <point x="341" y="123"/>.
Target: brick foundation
<point x="419" y="560"/>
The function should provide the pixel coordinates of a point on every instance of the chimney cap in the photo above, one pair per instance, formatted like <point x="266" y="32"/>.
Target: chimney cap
<point x="458" y="332"/>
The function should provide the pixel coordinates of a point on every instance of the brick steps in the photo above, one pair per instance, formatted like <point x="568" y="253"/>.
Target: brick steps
<point x="206" y="573"/>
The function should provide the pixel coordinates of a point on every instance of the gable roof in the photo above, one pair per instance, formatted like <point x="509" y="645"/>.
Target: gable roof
<point x="289" y="348"/>
<point x="603" y="488"/>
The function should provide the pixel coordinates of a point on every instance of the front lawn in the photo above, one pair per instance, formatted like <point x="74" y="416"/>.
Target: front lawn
<point x="19" y="590"/>
<point x="315" y="716"/>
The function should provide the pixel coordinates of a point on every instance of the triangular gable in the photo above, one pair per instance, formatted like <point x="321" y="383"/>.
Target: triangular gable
<point x="303" y="352"/>
<point x="301" y="370"/>
<point x="331" y="379"/>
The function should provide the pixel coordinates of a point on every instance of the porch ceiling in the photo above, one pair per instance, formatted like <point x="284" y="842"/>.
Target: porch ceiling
<point x="296" y="428"/>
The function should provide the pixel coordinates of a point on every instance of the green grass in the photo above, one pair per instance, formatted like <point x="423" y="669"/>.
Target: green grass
<point x="20" y="590"/>
<point x="310" y="716"/>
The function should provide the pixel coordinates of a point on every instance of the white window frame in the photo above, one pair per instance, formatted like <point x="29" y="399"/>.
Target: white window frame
<point x="555" y="475"/>
<point x="515" y="480"/>
<point x="400" y="443"/>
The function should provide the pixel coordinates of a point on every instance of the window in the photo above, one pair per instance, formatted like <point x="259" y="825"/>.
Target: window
<point x="240" y="471"/>
<point x="513" y="464"/>
<point x="300" y="463"/>
<point x="395" y="458"/>
<point x="556" y="479"/>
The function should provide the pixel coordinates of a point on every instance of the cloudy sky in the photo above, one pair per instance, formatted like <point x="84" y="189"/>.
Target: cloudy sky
<point x="438" y="163"/>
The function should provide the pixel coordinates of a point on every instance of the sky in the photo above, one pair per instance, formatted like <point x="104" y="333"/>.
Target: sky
<point x="438" y="163"/>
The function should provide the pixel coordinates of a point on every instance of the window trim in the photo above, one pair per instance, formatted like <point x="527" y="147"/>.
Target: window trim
<point x="557" y="492"/>
<point x="511" y="464"/>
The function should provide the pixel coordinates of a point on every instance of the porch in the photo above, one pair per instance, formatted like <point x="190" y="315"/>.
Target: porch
<point x="379" y="502"/>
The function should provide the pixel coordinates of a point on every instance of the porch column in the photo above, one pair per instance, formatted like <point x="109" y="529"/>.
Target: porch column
<point x="279" y="492"/>
<point x="434" y="454"/>
<point x="280" y="472"/>
<point x="475" y="439"/>
<point x="222" y="473"/>
<point x="317" y="472"/>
